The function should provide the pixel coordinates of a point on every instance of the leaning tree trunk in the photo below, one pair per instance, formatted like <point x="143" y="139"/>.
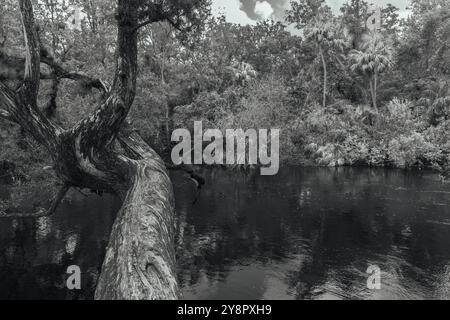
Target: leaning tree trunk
<point x="140" y="259"/>
<point x="99" y="155"/>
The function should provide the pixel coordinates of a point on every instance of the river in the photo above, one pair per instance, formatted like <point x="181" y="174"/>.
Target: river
<point x="307" y="233"/>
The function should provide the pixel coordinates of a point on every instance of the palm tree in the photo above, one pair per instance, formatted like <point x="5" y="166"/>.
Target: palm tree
<point x="319" y="34"/>
<point x="374" y="58"/>
<point x="324" y="33"/>
<point x="319" y="27"/>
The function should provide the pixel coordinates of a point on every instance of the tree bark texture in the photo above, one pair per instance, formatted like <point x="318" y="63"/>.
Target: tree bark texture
<point x="98" y="154"/>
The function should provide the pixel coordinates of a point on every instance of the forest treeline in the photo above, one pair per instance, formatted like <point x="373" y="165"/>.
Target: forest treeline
<point x="340" y="93"/>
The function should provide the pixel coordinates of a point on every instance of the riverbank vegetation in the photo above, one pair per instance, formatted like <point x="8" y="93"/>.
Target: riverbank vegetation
<point x="89" y="90"/>
<point x="340" y="93"/>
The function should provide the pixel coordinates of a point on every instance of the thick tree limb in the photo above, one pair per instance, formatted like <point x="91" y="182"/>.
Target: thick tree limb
<point x="12" y="68"/>
<point x="105" y="123"/>
<point x="21" y="106"/>
<point x="127" y="50"/>
<point x="140" y="258"/>
<point x="19" y="110"/>
<point x="153" y="13"/>
<point x="30" y="85"/>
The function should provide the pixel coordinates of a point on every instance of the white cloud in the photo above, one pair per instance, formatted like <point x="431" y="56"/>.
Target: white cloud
<point x="263" y="9"/>
<point x="232" y="11"/>
<point x="403" y="14"/>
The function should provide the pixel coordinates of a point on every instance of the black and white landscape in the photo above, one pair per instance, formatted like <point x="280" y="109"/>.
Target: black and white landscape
<point x="224" y="149"/>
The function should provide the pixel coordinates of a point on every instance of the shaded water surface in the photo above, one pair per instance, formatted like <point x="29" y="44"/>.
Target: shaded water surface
<point x="35" y="253"/>
<point x="307" y="233"/>
<point x="312" y="233"/>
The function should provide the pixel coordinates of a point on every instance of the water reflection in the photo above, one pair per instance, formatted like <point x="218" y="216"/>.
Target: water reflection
<point x="312" y="233"/>
<point x="35" y="253"/>
<point x="304" y="234"/>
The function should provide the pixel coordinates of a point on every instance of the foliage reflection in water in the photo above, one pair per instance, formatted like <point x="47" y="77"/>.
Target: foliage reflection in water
<point x="35" y="253"/>
<point x="307" y="233"/>
<point x="311" y="233"/>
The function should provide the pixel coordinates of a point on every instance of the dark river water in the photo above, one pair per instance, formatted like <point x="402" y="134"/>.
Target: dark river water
<point x="307" y="233"/>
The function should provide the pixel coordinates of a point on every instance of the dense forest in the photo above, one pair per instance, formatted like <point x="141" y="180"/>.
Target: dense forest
<point x="341" y="93"/>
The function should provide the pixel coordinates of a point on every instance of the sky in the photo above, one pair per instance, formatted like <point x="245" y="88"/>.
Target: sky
<point x="250" y="11"/>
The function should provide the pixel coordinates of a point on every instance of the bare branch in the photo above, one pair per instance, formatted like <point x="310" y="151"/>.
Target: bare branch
<point x="62" y="73"/>
<point x="42" y="212"/>
<point x="198" y="179"/>
<point x="160" y="18"/>
<point x="173" y="24"/>
<point x="143" y="24"/>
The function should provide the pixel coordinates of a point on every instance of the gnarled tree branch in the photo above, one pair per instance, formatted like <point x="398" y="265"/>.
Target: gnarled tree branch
<point x="62" y="73"/>
<point x="12" y="68"/>
<point x="140" y="258"/>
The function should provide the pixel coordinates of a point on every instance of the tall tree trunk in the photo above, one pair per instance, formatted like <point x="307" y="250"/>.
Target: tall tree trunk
<point x="325" y="76"/>
<point x="375" y="89"/>
<point x="140" y="258"/>
<point x="373" y="92"/>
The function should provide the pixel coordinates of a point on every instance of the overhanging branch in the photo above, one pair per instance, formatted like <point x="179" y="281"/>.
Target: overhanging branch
<point x="12" y="68"/>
